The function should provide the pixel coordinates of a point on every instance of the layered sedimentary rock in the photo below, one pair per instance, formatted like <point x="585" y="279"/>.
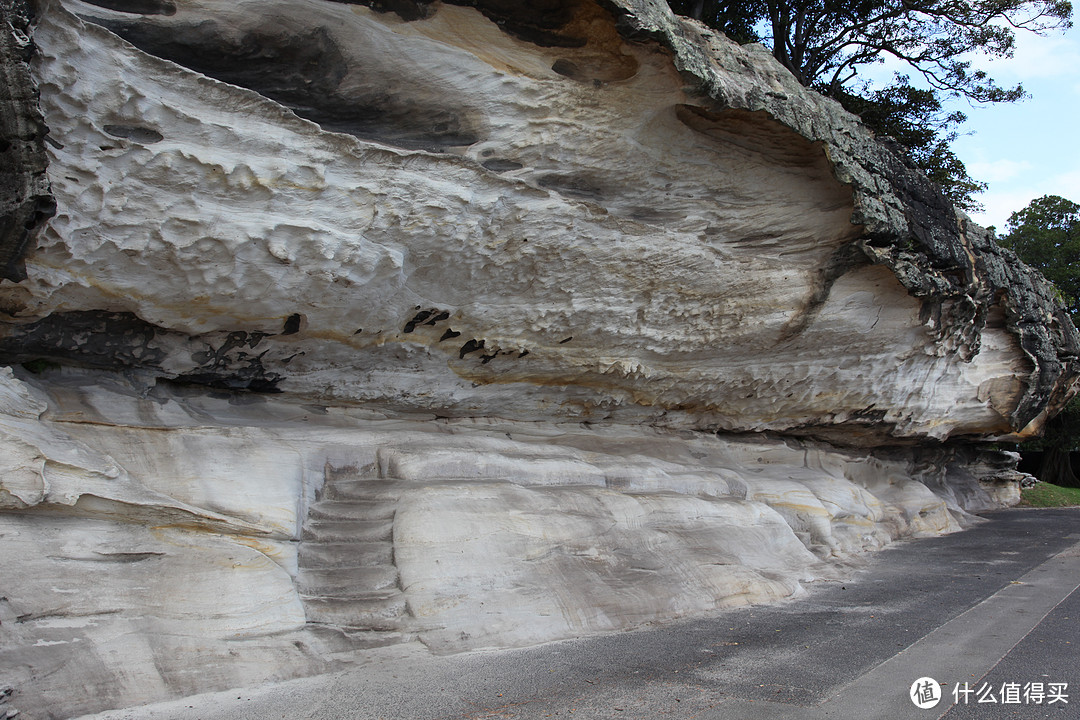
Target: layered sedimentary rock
<point x="473" y="325"/>
<point x="475" y="224"/>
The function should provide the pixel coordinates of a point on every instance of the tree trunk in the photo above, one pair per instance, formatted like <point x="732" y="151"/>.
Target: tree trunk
<point x="1056" y="468"/>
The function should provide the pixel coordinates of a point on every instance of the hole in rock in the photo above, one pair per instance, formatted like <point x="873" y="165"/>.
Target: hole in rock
<point x="137" y="7"/>
<point x="293" y="324"/>
<point x="425" y="317"/>
<point x="470" y="346"/>
<point x="135" y="133"/>
<point x="501" y="165"/>
<point x="567" y="68"/>
<point x="578" y="187"/>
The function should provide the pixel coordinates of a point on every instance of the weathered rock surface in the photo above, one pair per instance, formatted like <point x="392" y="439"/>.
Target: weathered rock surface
<point x="495" y="227"/>
<point x="464" y="325"/>
<point x="24" y="189"/>
<point x="160" y="541"/>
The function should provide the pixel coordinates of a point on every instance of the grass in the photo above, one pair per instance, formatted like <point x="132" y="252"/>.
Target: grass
<point x="1047" y="495"/>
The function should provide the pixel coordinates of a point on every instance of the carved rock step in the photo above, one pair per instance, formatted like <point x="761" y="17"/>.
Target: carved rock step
<point x="343" y="555"/>
<point x="361" y="489"/>
<point x="370" y="611"/>
<point x="346" y="581"/>
<point x="351" y="510"/>
<point x="348" y="640"/>
<point x="357" y="531"/>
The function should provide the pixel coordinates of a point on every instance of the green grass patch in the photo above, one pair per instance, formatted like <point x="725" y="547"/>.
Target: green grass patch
<point x="1047" y="495"/>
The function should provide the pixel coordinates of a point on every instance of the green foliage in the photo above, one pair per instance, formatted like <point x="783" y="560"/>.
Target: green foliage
<point x="1047" y="495"/>
<point x="39" y="365"/>
<point x="825" y="43"/>
<point x="915" y="118"/>
<point x="736" y="19"/>
<point x="1046" y="236"/>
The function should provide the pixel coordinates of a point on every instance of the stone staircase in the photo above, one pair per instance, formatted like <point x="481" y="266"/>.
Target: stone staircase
<point x="347" y="578"/>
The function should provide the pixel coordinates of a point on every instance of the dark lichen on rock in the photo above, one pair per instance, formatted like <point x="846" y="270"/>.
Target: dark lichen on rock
<point x="25" y="199"/>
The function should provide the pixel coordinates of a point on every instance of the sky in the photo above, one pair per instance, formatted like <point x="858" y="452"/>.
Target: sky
<point x="1031" y="148"/>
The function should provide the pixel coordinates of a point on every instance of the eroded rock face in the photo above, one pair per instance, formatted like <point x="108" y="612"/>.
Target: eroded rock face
<point x="24" y="189"/>
<point x="167" y="542"/>
<point x="476" y="224"/>
<point x="480" y="326"/>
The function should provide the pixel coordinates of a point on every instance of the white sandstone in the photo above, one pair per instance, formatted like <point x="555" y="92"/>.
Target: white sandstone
<point x="540" y="341"/>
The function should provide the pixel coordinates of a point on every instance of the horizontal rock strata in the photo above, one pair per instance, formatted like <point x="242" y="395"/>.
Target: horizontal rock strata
<point x="167" y="542"/>
<point x="475" y="326"/>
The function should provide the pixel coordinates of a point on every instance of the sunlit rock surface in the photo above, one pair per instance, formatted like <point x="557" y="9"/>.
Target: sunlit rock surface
<point x="496" y="227"/>
<point x="460" y="325"/>
<point x="160" y="542"/>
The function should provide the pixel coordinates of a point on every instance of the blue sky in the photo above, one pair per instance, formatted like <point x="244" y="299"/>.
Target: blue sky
<point x="1027" y="149"/>
<point x="1031" y="148"/>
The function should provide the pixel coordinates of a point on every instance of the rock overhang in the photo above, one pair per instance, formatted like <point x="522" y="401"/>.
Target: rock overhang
<point x="639" y="221"/>
<point x="462" y="325"/>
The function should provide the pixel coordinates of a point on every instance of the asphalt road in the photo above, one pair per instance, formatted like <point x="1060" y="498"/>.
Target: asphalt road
<point x="995" y="607"/>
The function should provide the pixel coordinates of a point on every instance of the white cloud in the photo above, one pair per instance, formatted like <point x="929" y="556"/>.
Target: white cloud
<point x="1068" y="185"/>
<point x="1005" y="199"/>
<point x="1000" y="204"/>
<point x="1037" y="56"/>
<point x="997" y="170"/>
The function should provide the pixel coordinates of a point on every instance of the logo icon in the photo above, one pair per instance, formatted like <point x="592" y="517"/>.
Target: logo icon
<point x="925" y="693"/>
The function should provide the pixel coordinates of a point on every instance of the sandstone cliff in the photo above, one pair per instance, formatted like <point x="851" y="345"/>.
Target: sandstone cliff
<point x="332" y="325"/>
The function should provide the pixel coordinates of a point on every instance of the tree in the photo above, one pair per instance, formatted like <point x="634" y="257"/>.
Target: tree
<point x="737" y="20"/>
<point x="915" y="118"/>
<point x="824" y="43"/>
<point x="1046" y="236"/>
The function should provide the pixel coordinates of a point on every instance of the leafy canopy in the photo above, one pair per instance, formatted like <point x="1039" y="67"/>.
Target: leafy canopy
<point x="1046" y="236"/>
<point x="915" y="118"/>
<point x="825" y="43"/>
